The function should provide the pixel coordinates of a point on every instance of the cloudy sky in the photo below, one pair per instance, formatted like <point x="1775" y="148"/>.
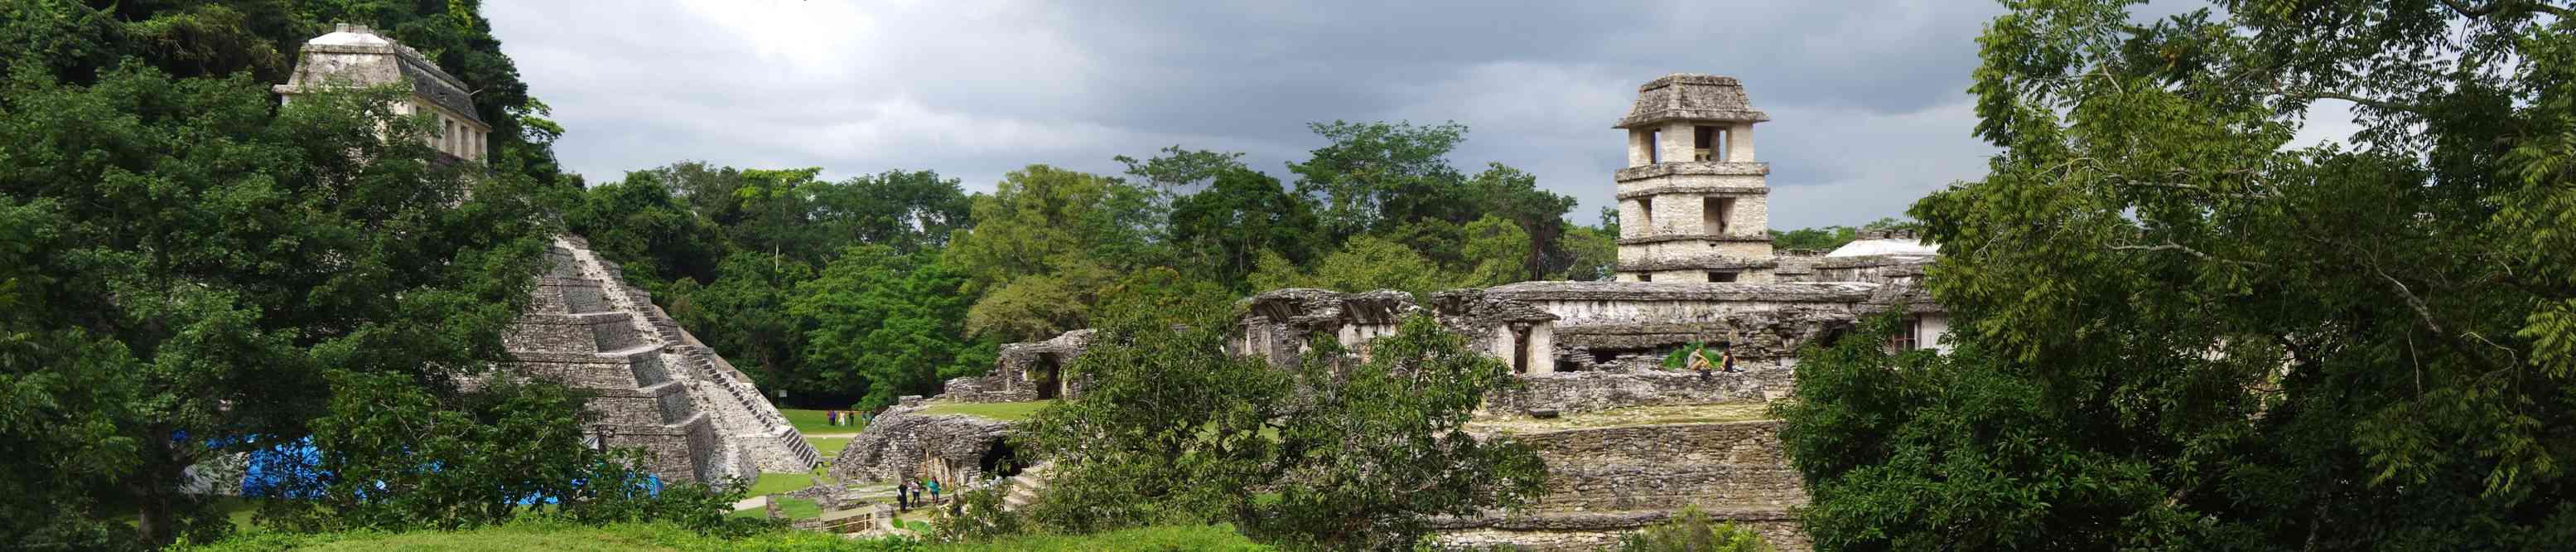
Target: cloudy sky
<point x="1867" y="97"/>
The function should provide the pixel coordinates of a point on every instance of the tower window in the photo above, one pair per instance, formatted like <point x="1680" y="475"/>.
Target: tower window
<point x="1655" y="146"/>
<point x="1714" y="212"/>
<point x="1721" y="276"/>
<point x="1706" y="142"/>
<point x="1644" y="277"/>
<point x="1646" y="215"/>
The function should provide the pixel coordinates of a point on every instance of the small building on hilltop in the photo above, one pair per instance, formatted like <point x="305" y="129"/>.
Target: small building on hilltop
<point x="354" y="56"/>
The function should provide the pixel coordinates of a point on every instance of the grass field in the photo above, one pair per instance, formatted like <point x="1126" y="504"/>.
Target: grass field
<point x="813" y="421"/>
<point x="798" y="508"/>
<point x="1011" y="411"/>
<point x="658" y="537"/>
<point x="781" y="482"/>
<point x="829" y="446"/>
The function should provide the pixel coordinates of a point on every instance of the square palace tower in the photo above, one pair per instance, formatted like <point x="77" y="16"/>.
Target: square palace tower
<point x="1693" y="206"/>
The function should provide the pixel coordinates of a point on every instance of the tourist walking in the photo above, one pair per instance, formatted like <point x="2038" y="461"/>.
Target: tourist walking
<point x="902" y="497"/>
<point x="934" y="491"/>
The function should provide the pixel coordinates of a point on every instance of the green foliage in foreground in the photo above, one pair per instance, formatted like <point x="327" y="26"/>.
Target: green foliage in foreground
<point x="1172" y="430"/>
<point x="539" y="535"/>
<point x="1693" y="531"/>
<point x="2177" y="329"/>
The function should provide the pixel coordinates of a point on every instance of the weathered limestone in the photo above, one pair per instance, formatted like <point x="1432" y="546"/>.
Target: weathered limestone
<point x="651" y="386"/>
<point x="1279" y="323"/>
<point x="353" y="56"/>
<point x="1693" y="204"/>
<point x="906" y="444"/>
<point x="1025" y="372"/>
<point x="1606" y="481"/>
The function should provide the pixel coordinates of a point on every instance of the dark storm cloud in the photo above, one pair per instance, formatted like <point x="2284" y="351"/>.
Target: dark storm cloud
<point x="1866" y="98"/>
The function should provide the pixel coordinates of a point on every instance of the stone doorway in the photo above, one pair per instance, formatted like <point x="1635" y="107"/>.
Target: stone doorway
<point x="1048" y="375"/>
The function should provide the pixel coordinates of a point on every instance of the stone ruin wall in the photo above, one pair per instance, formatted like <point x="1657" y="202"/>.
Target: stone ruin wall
<point x="1605" y="482"/>
<point x="1601" y="353"/>
<point x="906" y="444"/>
<point x="651" y="386"/>
<point x="1022" y="369"/>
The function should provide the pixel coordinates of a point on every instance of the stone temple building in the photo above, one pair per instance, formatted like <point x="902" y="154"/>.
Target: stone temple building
<point x="1692" y="203"/>
<point x="1629" y="440"/>
<point x="353" y="56"/>
<point x="650" y="385"/>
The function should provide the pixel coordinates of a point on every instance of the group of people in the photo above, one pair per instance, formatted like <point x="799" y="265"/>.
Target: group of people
<point x="1726" y="354"/>
<point x="909" y="493"/>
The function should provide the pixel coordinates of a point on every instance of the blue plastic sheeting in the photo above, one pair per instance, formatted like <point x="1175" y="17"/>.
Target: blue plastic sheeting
<point x="294" y="470"/>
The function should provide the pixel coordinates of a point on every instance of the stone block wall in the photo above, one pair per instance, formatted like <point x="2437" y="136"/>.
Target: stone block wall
<point x="1579" y="392"/>
<point x="1608" y="481"/>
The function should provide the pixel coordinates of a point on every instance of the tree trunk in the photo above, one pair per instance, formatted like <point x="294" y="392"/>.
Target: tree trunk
<point x="155" y="491"/>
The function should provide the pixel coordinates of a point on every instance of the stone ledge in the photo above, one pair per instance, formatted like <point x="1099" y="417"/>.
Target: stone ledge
<point x="1575" y="521"/>
<point x="1820" y="292"/>
<point x="1706" y="262"/>
<point x="1693" y="190"/>
<point x="1716" y="168"/>
<point x="1642" y="240"/>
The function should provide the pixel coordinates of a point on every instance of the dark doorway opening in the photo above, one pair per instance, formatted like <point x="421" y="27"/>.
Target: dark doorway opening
<point x="1520" y="349"/>
<point x="1000" y="460"/>
<point x="1048" y="375"/>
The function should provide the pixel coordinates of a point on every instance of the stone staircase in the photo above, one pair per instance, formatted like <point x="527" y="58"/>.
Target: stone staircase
<point x="1026" y="486"/>
<point x="575" y="335"/>
<point x="735" y="431"/>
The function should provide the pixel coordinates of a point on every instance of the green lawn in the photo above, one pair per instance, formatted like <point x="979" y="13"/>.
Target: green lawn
<point x="812" y="421"/>
<point x="781" y="482"/>
<point x="1009" y="411"/>
<point x="798" y="508"/>
<point x="560" y="537"/>
<point x="829" y="446"/>
<point x="237" y="509"/>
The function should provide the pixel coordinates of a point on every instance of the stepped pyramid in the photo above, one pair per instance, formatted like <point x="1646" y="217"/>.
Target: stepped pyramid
<point x="652" y="386"/>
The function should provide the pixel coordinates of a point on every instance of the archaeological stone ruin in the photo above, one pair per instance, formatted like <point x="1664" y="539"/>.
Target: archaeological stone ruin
<point x="651" y="386"/>
<point x="1628" y="441"/>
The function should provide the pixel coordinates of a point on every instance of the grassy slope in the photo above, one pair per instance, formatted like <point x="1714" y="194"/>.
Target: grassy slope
<point x="1009" y="411"/>
<point x="638" y="538"/>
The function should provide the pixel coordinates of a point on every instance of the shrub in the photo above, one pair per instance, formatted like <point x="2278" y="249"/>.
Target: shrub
<point x="1693" y="531"/>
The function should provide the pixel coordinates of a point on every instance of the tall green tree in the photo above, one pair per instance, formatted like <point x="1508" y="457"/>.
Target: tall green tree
<point x="218" y="258"/>
<point x="640" y="223"/>
<point x="744" y="315"/>
<point x="1046" y="243"/>
<point x="884" y="324"/>
<point x="1395" y="180"/>
<point x="1359" y="454"/>
<point x="1365" y="264"/>
<point x="1238" y="216"/>
<point x="2185" y="331"/>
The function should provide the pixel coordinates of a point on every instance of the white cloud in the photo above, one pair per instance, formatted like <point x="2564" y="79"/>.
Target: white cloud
<point x="1865" y="99"/>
